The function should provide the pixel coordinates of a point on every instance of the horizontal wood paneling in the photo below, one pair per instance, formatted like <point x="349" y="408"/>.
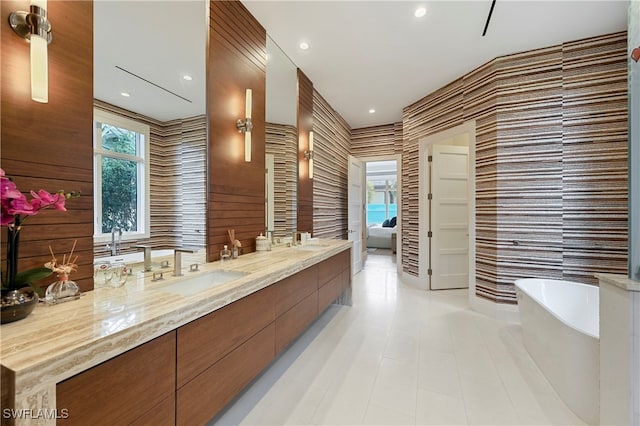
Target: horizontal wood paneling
<point x="177" y="181"/>
<point x="236" y="62"/>
<point x="282" y="142"/>
<point x="551" y="152"/>
<point x="49" y="145"/>
<point x="595" y="152"/>
<point x="332" y="140"/>
<point x="305" y="125"/>
<point x="376" y="141"/>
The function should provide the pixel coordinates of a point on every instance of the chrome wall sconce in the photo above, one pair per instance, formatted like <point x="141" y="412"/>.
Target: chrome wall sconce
<point x="245" y="126"/>
<point x="34" y="27"/>
<point x="309" y="155"/>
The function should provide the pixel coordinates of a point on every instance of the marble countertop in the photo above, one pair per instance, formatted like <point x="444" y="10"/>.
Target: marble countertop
<point x="58" y="341"/>
<point x="622" y="281"/>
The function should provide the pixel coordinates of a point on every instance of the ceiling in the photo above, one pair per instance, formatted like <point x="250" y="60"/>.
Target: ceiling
<point x="363" y="54"/>
<point x="158" y="41"/>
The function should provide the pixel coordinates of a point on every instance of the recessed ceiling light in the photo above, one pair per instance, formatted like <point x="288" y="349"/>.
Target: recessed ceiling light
<point x="187" y="77"/>
<point x="304" y="45"/>
<point x="125" y="94"/>
<point x="372" y="111"/>
<point x="420" y="12"/>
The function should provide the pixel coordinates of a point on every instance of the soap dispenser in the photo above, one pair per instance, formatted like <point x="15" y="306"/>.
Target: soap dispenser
<point x="225" y="254"/>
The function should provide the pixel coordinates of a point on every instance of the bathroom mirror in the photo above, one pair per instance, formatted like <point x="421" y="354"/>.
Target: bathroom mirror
<point x="153" y="71"/>
<point x="281" y="141"/>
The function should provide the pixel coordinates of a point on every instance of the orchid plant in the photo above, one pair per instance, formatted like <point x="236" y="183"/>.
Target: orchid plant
<point x="14" y="209"/>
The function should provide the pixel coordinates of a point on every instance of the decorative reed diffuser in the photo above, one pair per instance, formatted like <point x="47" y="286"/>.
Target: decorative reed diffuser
<point x="63" y="289"/>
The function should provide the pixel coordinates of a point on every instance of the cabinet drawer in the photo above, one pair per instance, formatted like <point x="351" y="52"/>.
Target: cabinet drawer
<point x="163" y="414"/>
<point x="329" y="292"/>
<point x="293" y="289"/>
<point x="203" y="397"/>
<point x="203" y="342"/>
<point x="293" y="322"/>
<point x="328" y="269"/>
<point x="121" y="390"/>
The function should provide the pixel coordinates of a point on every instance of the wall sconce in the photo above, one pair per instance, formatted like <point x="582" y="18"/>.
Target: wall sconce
<point x="34" y="27"/>
<point x="245" y="126"/>
<point x="309" y="155"/>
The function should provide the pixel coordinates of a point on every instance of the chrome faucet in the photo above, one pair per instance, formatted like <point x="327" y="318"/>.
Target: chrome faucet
<point x="147" y="256"/>
<point x="177" y="259"/>
<point x="114" y="244"/>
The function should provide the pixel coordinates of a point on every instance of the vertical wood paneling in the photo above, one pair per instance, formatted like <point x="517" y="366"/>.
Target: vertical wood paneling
<point x="177" y="181"/>
<point x="595" y="150"/>
<point x="282" y="142"/>
<point x="305" y="125"/>
<point x="551" y="153"/>
<point x="332" y="138"/>
<point x="236" y="62"/>
<point x="49" y="145"/>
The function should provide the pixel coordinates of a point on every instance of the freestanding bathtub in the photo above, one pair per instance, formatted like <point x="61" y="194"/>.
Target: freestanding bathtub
<point x="560" y="325"/>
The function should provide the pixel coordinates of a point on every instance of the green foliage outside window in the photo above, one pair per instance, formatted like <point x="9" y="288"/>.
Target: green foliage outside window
<point x="119" y="181"/>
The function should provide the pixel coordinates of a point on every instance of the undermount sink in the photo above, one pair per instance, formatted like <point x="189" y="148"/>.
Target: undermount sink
<point x="195" y="285"/>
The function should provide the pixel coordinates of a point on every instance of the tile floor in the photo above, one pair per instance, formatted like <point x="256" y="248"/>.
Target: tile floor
<point x="401" y="356"/>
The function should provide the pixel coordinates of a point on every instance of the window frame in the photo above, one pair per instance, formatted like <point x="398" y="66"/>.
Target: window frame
<point x="143" y="160"/>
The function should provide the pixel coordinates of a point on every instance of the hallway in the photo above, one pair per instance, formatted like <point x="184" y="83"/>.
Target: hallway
<point x="401" y="356"/>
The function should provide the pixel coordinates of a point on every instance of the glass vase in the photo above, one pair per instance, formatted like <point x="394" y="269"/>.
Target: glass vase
<point x="62" y="290"/>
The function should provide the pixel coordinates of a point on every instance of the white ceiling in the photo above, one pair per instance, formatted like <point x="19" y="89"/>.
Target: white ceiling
<point x="363" y="54"/>
<point x="159" y="41"/>
<point x="377" y="54"/>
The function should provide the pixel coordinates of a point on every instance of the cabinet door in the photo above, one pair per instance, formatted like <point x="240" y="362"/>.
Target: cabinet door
<point x="203" y="342"/>
<point x="203" y="397"/>
<point x="121" y="390"/>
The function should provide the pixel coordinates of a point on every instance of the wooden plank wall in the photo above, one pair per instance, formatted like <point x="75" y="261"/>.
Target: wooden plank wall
<point x="178" y="187"/>
<point x="282" y="142"/>
<point x="49" y="146"/>
<point x="551" y="186"/>
<point x="595" y="152"/>
<point x="236" y="62"/>
<point x="376" y="141"/>
<point x="332" y="140"/>
<point x="305" y="125"/>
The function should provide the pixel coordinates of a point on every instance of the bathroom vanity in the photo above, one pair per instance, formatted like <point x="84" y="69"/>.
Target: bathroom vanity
<point x="158" y="352"/>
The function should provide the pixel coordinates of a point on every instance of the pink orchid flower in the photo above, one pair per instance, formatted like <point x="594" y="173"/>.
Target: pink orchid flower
<point x="44" y="199"/>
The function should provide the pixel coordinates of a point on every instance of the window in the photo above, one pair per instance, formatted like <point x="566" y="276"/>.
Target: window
<point x="121" y="176"/>
<point x="382" y="189"/>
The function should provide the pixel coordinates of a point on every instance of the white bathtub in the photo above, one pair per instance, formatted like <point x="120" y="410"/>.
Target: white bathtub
<point x="560" y="325"/>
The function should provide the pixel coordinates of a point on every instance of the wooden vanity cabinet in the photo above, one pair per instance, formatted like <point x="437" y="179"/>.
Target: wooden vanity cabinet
<point x="125" y="389"/>
<point x="334" y="277"/>
<point x="203" y="342"/>
<point x="187" y="376"/>
<point x="206" y="395"/>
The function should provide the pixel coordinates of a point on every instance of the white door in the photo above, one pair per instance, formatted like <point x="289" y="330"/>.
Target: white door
<point x="450" y="217"/>
<point x="356" y="206"/>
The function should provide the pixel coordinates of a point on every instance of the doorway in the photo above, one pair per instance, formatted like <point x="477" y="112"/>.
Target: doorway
<point x="382" y="191"/>
<point x="447" y="209"/>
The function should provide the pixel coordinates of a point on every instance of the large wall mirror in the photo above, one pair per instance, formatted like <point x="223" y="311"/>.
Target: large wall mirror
<point x="152" y="71"/>
<point x="281" y="141"/>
